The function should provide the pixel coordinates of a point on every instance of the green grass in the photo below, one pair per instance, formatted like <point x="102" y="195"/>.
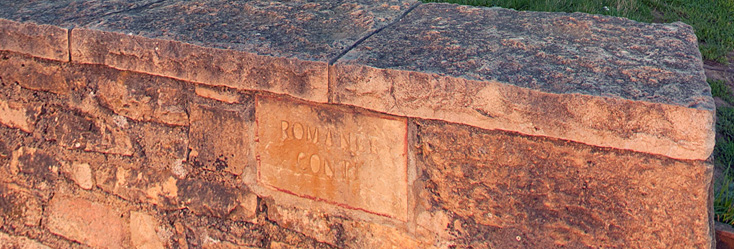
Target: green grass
<point x="725" y="198"/>
<point x="724" y="153"/>
<point x="724" y="150"/>
<point x="719" y="89"/>
<point x="713" y="20"/>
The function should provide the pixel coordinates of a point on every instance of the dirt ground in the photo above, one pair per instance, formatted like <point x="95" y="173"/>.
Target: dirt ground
<point x="718" y="71"/>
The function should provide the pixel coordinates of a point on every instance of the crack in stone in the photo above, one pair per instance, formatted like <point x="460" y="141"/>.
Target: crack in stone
<point x="68" y="41"/>
<point x="345" y="51"/>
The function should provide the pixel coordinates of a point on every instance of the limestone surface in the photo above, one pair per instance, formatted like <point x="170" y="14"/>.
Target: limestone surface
<point x="599" y="80"/>
<point x="44" y="41"/>
<point x="202" y="124"/>
<point x="505" y="190"/>
<point x="349" y="158"/>
<point x="279" y="46"/>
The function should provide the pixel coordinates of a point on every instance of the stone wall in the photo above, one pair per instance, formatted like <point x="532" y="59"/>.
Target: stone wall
<point x="367" y="124"/>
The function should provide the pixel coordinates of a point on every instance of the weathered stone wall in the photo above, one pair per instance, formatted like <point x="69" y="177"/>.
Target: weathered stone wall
<point x="368" y="124"/>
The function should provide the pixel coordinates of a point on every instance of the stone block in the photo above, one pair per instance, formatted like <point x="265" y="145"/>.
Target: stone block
<point x="19" y="206"/>
<point x="344" y="232"/>
<point x="41" y="28"/>
<point x="222" y="94"/>
<point x="81" y="174"/>
<point x="143" y="97"/>
<point x="10" y="241"/>
<point x="39" y="40"/>
<point x="210" y="232"/>
<point x="38" y="168"/>
<point x="213" y="196"/>
<point x="35" y="74"/>
<point x="505" y="190"/>
<point x="164" y="147"/>
<point x="88" y="133"/>
<point x="221" y="137"/>
<point x="125" y="178"/>
<point x="91" y="223"/>
<point x="136" y="96"/>
<point x="281" y="47"/>
<point x="211" y="66"/>
<point x="65" y="13"/>
<point x="145" y="232"/>
<point x="15" y="115"/>
<point x="335" y="154"/>
<point x="207" y="198"/>
<point x="599" y="80"/>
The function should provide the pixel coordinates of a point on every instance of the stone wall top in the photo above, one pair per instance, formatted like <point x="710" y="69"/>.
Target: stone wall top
<point x="550" y="52"/>
<point x="598" y="80"/>
<point x="307" y="30"/>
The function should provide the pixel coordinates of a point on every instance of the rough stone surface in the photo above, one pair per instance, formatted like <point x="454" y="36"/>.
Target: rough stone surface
<point x="89" y="133"/>
<point x="203" y="231"/>
<point x="599" y="80"/>
<point x="215" y="195"/>
<point x="124" y="177"/>
<point x="19" y="206"/>
<point x="505" y="190"/>
<point x="15" y="115"/>
<point x="44" y="41"/>
<point x="222" y="135"/>
<point x="37" y="169"/>
<point x="211" y="66"/>
<point x="88" y="222"/>
<point x="306" y="30"/>
<point x="34" y="74"/>
<point x="9" y="241"/>
<point x="222" y="95"/>
<point x="94" y="156"/>
<point x="282" y="47"/>
<point x="65" y="13"/>
<point x="164" y="147"/>
<point x="41" y="28"/>
<point x="144" y="97"/>
<point x="144" y="231"/>
<point x="356" y="159"/>
<point x="724" y="236"/>
<point x="344" y="232"/>
<point x="82" y="175"/>
<point x="135" y="96"/>
<point x="207" y="198"/>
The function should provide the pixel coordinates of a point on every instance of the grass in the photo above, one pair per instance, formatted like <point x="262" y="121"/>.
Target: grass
<point x="713" y="20"/>
<point x="725" y="198"/>
<point x="724" y="153"/>
<point x="721" y="90"/>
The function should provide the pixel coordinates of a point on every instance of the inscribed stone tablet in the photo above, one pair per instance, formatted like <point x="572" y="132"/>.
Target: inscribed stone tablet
<point x="334" y="154"/>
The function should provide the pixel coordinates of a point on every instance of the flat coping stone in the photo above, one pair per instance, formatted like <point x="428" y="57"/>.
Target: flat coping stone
<point x="599" y="80"/>
<point x="278" y="46"/>
<point x="41" y="28"/>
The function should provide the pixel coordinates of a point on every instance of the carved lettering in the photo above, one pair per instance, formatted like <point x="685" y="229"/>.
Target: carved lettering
<point x="347" y="158"/>
<point x="297" y="130"/>
<point x="312" y="136"/>
<point x="284" y="129"/>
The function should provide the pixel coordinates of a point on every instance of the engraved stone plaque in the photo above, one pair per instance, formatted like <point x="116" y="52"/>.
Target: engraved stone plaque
<point x="335" y="154"/>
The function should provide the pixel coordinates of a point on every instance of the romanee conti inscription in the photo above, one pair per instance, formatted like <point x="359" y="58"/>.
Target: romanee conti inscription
<point x="334" y="154"/>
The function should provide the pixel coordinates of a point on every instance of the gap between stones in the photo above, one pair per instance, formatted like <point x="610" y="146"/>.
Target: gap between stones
<point x="68" y="42"/>
<point x="345" y="51"/>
